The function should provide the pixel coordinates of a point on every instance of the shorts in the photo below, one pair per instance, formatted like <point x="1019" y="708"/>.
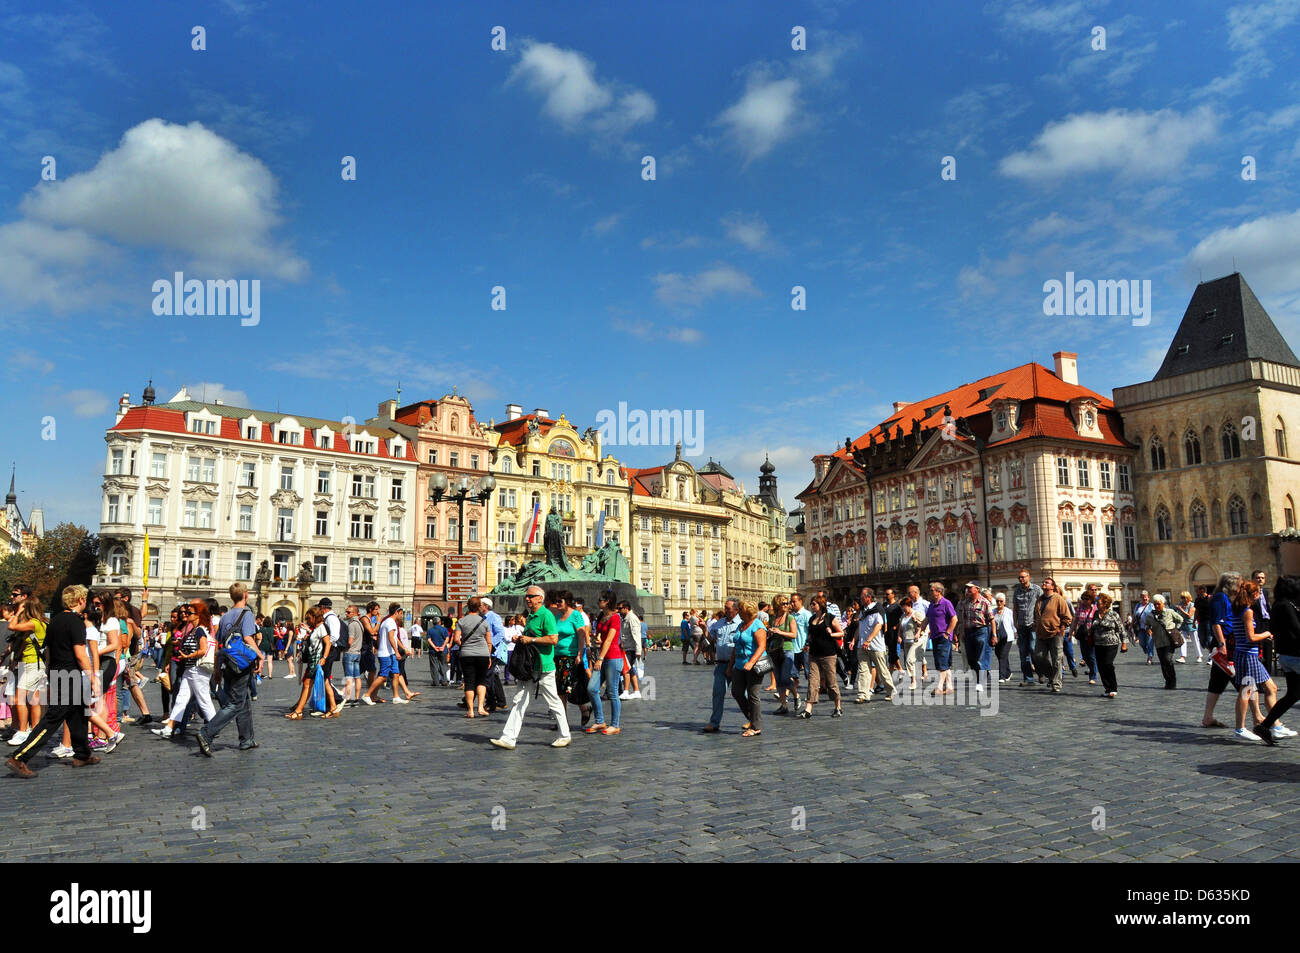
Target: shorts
<point x="629" y="660"/>
<point x="388" y="666"/>
<point x="942" y="654"/>
<point x="474" y="669"/>
<point x="352" y="666"/>
<point x="31" y="677"/>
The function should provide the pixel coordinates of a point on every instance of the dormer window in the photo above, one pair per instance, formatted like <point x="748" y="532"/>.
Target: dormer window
<point x="203" y="422"/>
<point x="1184" y="348"/>
<point x="1226" y="339"/>
<point x="1001" y="420"/>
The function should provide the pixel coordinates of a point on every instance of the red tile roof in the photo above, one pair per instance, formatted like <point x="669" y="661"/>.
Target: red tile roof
<point x="634" y="477"/>
<point x="514" y="432"/>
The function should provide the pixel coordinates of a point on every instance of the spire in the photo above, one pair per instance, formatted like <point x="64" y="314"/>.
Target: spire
<point x="12" y="498"/>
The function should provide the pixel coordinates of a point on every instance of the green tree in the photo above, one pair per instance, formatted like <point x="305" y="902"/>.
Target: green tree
<point x="66" y="555"/>
<point x="14" y="568"/>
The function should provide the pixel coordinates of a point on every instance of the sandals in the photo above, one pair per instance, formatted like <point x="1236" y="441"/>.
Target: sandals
<point x="751" y="733"/>
<point x="294" y="716"/>
<point x="331" y="714"/>
<point x="595" y="728"/>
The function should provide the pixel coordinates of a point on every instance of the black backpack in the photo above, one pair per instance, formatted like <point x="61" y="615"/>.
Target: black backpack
<point x="525" y="663"/>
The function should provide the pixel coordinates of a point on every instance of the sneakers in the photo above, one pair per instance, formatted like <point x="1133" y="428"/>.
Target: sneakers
<point x="205" y="745"/>
<point x="367" y="700"/>
<point x="509" y="746"/>
<point x="401" y="701"/>
<point x="249" y="746"/>
<point x="98" y="744"/>
<point x="560" y="743"/>
<point x="1282" y="731"/>
<point x="1245" y="734"/>
<point x="635" y="696"/>
<point x="146" y="720"/>
<point x="624" y="696"/>
<point x="19" y="737"/>
<point x="62" y="752"/>
<point x="18" y="768"/>
<point x="162" y="732"/>
<point x="114" y="741"/>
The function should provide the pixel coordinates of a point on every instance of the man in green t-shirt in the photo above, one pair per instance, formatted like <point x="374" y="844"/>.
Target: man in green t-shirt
<point x="540" y="631"/>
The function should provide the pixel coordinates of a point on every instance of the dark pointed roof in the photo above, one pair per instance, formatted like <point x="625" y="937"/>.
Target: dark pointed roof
<point x="714" y="467"/>
<point x="1224" y="323"/>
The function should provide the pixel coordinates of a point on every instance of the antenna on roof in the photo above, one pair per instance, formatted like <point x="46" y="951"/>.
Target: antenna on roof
<point x="1234" y="264"/>
<point x="399" y="393"/>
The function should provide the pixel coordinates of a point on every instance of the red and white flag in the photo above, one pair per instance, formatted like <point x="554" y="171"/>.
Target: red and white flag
<point x="532" y="526"/>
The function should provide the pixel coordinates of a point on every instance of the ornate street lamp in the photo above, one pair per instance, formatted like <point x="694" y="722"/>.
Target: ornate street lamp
<point x="438" y="489"/>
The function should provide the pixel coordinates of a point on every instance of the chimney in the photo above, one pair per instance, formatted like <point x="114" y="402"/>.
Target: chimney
<point x="541" y="412"/>
<point x="899" y="405"/>
<point x="219" y="402"/>
<point x="514" y="411"/>
<point x="123" y="406"/>
<point x="1067" y="366"/>
<point x="387" y="409"/>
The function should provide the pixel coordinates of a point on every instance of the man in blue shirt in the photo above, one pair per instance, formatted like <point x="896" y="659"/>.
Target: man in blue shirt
<point x="437" y="637"/>
<point x="1142" y="625"/>
<point x="686" y="636"/>
<point x="724" y="637"/>
<point x="801" y="617"/>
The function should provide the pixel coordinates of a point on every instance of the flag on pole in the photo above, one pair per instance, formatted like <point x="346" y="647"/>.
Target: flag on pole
<point x="532" y="526"/>
<point x="600" y="530"/>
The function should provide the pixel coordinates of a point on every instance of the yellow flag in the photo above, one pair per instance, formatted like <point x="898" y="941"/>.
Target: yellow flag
<point x="146" y="559"/>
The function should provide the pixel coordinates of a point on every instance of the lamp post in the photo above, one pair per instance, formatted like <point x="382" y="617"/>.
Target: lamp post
<point x="461" y="492"/>
<point x="964" y="430"/>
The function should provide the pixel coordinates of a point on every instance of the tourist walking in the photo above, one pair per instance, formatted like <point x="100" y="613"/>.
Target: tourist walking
<point x="975" y="613"/>
<point x="192" y="679"/>
<point x="474" y="637"/>
<point x="873" y="660"/>
<point x="749" y="665"/>
<point x="315" y="649"/>
<point x="1052" y="619"/>
<point x="438" y="637"/>
<point x="1004" y="635"/>
<point x="1251" y="678"/>
<point x="1187" y="624"/>
<point x="782" y="633"/>
<point x="1108" y="634"/>
<point x="1166" y="633"/>
<point x="539" y="630"/>
<point x="351" y="636"/>
<point x="388" y="654"/>
<point x="1284" y="627"/>
<point x="824" y="633"/>
<point x="605" y="664"/>
<point x="571" y="675"/>
<point x="1024" y="604"/>
<point x="241" y="660"/>
<point x="28" y="624"/>
<point x="722" y="633"/>
<point x="1142" y="625"/>
<point x="941" y="628"/>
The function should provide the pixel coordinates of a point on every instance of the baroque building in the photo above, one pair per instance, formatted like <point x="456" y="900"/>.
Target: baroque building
<point x="1217" y="482"/>
<point x="448" y="440"/>
<point x="19" y="534"/>
<point x="541" y="463"/>
<point x="1024" y="469"/>
<point x="296" y="507"/>
<point x="759" y="557"/>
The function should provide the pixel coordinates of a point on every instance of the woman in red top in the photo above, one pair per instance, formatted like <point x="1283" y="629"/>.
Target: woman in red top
<point x="605" y="659"/>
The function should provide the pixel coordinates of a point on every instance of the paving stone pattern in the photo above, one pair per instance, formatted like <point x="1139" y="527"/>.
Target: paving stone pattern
<point x="420" y="782"/>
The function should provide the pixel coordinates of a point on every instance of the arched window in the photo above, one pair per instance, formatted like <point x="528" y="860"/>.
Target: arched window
<point x="1229" y="442"/>
<point x="1237" y="523"/>
<point x="506" y="568"/>
<point x="1164" y="526"/>
<point x="1288" y="512"/>
<point x="506" y="466"/>
<point x="1279" y="434"/>
<point x="117" y="561"/>
<point x="1157" y="454"/>
<point x="536" y="501"/>
<point x="1199" y="520"/>
<point x="1191" y="449"/>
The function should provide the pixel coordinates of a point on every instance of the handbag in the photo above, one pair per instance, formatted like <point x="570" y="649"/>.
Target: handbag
<point x="208" y="662"/>
<point x="762" y="666"/>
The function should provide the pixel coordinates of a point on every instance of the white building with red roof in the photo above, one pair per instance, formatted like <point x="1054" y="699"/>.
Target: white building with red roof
<point x="1024" y="469"/>
<point x="325" y="506"/>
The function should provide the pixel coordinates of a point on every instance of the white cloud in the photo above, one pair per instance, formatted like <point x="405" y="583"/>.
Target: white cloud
<point x="1133" y="144"/>
<point x="1250" y="26"/>
<point x="574" y="97"/>
<point x="1266" y="250"/>
<point x="764" y="116"/>
<point x="211" y="391"/>
<point x="648" y="331"/>
<point x="607" y="223"/>
<point x="175" y="188"/>
<point x="1030" y="16"/>
<point x="87" y="403"/>
<point x="688" y="291"/>
<point x="748" y="230"/>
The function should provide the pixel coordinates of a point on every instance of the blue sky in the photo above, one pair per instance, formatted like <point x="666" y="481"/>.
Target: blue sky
<point x="523" y="168"/>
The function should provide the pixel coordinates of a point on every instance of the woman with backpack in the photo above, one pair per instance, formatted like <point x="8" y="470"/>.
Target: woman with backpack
<point x="605" y="661"/>
<point x="192" y="679"/>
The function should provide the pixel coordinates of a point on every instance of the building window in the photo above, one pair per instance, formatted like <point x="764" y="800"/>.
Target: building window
<point x="1110" y="541"/>
<point x="155" y="510"/>
<point x="394" y="572"/>
<point x="1130" y="544"/>
<point x="246" y="517"/>
<point x="158" y="467"/>
<point x="243" y="566"/>
<point x="1067" y="540"/>
<point x="187" y="562"/>
<point x="323" y="481"/>
<point x="286" y="477"/>
<point x="1020" y="541"/>
<point x="933" y="547"/>
<point x="431" y="572"/>
<point x="1237" y="524"/>
<point x="473" y="531"/>
<point x="115" y="462"/>
<point x="322" y="523"/>
<point x="1191" y="449"/>
<point x="453" y="528"/>
<point x="188" y="521"/>
<point x="1230" y="442"/>
<point x="949" y="486"/>
<point x="995" y="478"/>
<point x="1062" y="471"/>
<point x="203" y="563"/>
<point x="1279" y="435"/>
<point x="949" y="548"/>
<point x="998" y="544"/>
<point x="967" y="484"/>
<point x="430" y="527"/>
<point x="1122" y="470"/>
<point x="396" y="488"/>
<point x="1089" y="541"/>
<point x="609" y="477"/>
<point x="320" y="568"/>
<point x="1104" y="468"/>
<point x="284" y="524"/>
<point x="1200" y="528"/>
<point x="453" y="458"/>
<point x="1164" y="526"/>
<point x="506" y="533"/>
<point x="1157" y="451"/>
<point x="394" y="529"/>
<point x="506" y="466"/>
<point x="433" y="458"/>
<point x="1085" y="480"/>
<point x="192" y="469"/>
<point x="361" y="526"/>
<point x="1016" y="469"/>
<point x="205" y="514"/>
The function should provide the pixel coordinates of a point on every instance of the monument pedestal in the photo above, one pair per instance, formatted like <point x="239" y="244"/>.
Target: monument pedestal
<point x="650" y="609"/>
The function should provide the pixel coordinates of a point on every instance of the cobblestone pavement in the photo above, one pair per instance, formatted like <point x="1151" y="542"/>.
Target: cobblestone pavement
<point x="419" y="782"/>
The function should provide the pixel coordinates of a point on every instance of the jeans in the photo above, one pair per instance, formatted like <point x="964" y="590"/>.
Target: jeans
<point x="719" y="691"/>
<point x="1166" y="653"/>
<point x="978" y="654"/>
<point x="1025" y="639"/>
<point x="1003" y="649"/>
<point x="237" y="707"/>
<point x="1067" y="647"/>
<point x="611" y="670"/>
<point x="1147" y="643"/>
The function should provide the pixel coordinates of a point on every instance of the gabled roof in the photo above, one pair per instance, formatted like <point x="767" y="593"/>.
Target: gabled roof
<point x="1224" y="323"/>
<point x="515" y="432"/>
<point x="1043" y="412"/>
<point x="635" y="476"/>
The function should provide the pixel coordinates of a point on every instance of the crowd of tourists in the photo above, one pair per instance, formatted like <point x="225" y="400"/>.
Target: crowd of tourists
<point x="70" y="682"/>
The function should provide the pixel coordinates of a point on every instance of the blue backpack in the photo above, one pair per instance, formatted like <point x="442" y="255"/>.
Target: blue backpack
<point x="238" y="654"/>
